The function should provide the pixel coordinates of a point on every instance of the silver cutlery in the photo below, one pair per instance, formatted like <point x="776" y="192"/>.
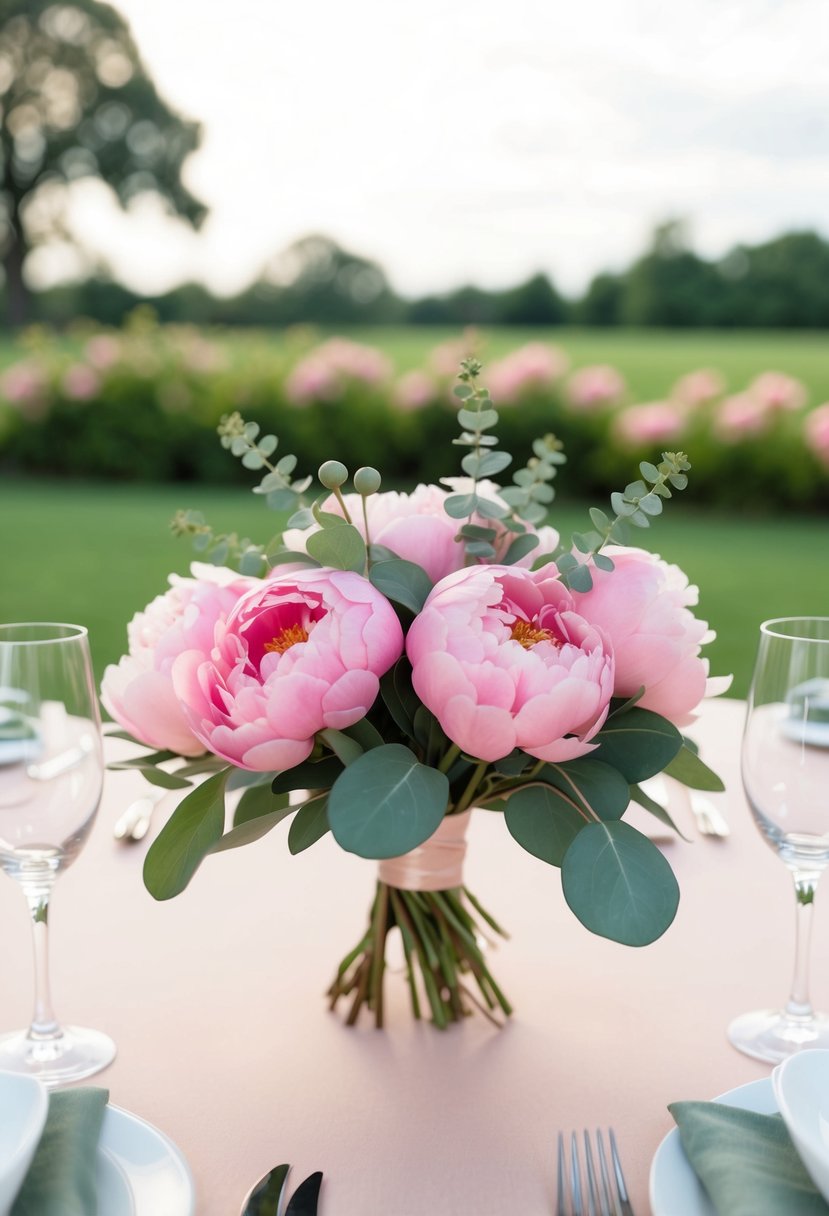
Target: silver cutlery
<point x="134" y="823"/>
<point x="265" y="1199"/>
<point x="47" y="770"/>
<point x="592" y="1193"/>
<point x="708" y="817"/>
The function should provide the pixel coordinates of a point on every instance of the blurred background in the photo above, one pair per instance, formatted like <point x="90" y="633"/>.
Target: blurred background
<point x="311" y="214"/>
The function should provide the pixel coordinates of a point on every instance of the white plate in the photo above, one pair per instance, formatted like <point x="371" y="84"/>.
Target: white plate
<point x="675" y="1189"/>
<point x="140" y="1171"/>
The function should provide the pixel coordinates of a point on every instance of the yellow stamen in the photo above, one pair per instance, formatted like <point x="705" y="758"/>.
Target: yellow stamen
<point x="527" y="634"/>
<point x="287" y="638"/>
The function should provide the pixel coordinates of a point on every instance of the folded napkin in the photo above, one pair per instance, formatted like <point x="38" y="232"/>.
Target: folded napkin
<point x="62" y="1179"/>
<point x="746" y="1162"/>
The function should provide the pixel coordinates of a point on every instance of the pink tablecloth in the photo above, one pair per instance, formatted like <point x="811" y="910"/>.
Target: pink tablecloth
<point x="225" y="1041"/>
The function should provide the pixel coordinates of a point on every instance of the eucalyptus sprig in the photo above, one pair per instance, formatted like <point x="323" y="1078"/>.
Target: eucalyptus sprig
<point x="219" y="548"/>
<point x="243" y="440"/>
<point x="636" y="504"/>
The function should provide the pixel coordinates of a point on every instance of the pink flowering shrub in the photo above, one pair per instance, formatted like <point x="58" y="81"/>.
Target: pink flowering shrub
<point x="739" y="418"/>
<point x="299" y="653"/>
<point x="657" y="423"/>
<point x="532" y="369"/>
<point x="698" y="388"/>
<point x="326" y="372"/>
<point x="138" y="691"/>
<point x="816" y="433"/>
<point x="776" y="391"/>
<point x="595" y="388"/>
<point x="503" y="659"/>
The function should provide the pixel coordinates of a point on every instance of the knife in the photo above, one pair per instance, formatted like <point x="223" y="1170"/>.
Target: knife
<point x="266" y="1196"/>
<point x="306" y="1197"/>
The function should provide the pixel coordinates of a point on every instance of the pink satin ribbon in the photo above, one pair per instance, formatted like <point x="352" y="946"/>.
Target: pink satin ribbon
<point x="435" y="865"/>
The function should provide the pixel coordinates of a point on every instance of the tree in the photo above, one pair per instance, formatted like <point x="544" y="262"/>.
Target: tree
<point x="78" y="102"/>
<point x="669" y="285"/>
<point x="535" y="302"/>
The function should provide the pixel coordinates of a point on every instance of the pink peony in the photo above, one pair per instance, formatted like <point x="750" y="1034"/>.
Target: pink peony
<point x="776" y="391"/>
<point x="103" y="350"/>
<point x="595" y="388"/>
<point x="503" y="660"/>
<point x="643" y="607"/>
<point x="326" y="372"/>
<point x="138" y="692"/>
<point x="24" y="385"/>
<point x="299" y="653"/>
<point x="654" y="423"/>
<point x="816" y="433"/>
<point x="416" y="527"/>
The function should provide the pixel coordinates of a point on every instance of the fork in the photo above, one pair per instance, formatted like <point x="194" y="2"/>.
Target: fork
<point x="597" y="1195"/>
<point x="134" y="823"/>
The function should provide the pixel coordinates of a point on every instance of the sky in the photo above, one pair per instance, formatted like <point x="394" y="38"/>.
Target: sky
<point x="456" y="141"/>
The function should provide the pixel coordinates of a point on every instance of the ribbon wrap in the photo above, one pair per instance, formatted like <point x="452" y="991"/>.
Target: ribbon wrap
<point x="435" y="865"/>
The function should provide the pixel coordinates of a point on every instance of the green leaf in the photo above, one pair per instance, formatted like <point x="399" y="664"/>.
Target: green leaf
<point x="400" y="698"/>
<point x="252" y="829"/>
<point x="479" y="548"/>
<point x="187" y="837"/>
<point x="520" y="547"/>
<point x="123" y="734"/>
<point x="620" y="705"/>
<point x="167" y="781"/>
<point x="620" y="506"/>
<point x="365" y="734"/>
<point x="649" y="471"/>
<point x="544" y="822"/>
<point x="678" y="480"/>
<point x="341" y="547"/>
<point x="655" y="808"/>
<point x="303" y="518"/>
<point x="593" y="784"/>
<point x="386" y="803"/>
<point x="309" y="824"/>
<point x="278" y="557"/>
<point x="253" y="460"/>
<point x="472" y="420"/>
<point x="463" y="391"/>
<point x="258" y="800"/>
<point x="310" y="775"/>
<point x="402" y="581"/>
<point x="619" y="884"/>
<point x="638" y="743"/>
<point x="513" y="764"/>
<point x="688" y="769"/>
<point x="651" y="504"/>
<point x="602" y="562"/>
<point x="599" y="519"/>
<point x="346" y="750"/>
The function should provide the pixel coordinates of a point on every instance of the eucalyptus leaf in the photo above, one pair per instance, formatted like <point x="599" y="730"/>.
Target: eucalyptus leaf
<point x="346" y="749"/>
<point x="520" y="547"/>
<point x="365" y="734"/>
<point x="190" y="833"/>
<point x="386" y="803"/>
<point x="595" y="786"/>
<point x="543" y="821"/>
<point x="402" y="581"/>
<point x="638" y="743"/>
<point x="399" y="697"/>
<point x="256" y="801"/>
<point x="341" y="547"/>
<point x="655" y="808"/>
<point x="252" y="829"/>
<point x="310" y="775"/>
<point x="167" y="781"/>
<point x="619" y="884"/>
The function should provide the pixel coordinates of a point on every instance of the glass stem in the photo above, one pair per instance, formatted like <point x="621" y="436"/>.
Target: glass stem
<point x="44" y="1024"/>
<point x="798" y="1005"/>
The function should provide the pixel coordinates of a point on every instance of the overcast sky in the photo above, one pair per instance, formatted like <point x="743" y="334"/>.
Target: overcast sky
<point x="459" y="140"/>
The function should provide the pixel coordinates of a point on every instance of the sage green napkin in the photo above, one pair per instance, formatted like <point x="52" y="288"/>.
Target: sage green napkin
<point x="746" y="1162"/>
<point x="62" y="1179"/>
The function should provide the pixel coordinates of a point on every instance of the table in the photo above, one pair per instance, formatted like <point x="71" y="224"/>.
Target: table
<point x="226" y="1043"/>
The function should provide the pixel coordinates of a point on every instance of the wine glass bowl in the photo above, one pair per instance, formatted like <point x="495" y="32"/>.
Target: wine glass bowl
<point x="51" y="777"/>
<point x="785" y="772"/>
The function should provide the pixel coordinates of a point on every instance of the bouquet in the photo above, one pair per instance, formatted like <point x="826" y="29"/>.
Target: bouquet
<point x="393" y="660"/>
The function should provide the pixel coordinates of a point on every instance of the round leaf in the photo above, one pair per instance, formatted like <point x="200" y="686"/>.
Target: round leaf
<point x="618" y="884"/>
<point x="544" y="822"/>
<point x="638" y="743"/>
<point x="341" y="547"/>
<point x="386" y="803"/>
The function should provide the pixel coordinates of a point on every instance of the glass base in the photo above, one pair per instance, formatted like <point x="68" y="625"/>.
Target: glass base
<point x="773" y="1036"/>
<point x="69" y="1056"/>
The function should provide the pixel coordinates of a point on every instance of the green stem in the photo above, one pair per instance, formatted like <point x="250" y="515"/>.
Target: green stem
<point x="341" y="501"/>
<point x="449" y="759"/>
<point x="472" y="786"/>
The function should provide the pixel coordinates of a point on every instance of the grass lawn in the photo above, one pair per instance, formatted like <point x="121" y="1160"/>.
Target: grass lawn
<point x="95" y="554"/>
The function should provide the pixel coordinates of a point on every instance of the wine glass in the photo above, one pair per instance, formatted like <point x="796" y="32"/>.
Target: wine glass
<point x="51" y="775"/>
<point x="785" y="767"/>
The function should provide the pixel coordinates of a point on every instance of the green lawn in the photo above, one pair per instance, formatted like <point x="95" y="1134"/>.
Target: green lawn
<point x="650" y="360"/>
<point x="95" y="554"/>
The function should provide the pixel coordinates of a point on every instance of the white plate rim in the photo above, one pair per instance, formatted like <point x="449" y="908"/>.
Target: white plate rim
<point x="171" y="1150"/>
<point x="670" y="1157"/>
